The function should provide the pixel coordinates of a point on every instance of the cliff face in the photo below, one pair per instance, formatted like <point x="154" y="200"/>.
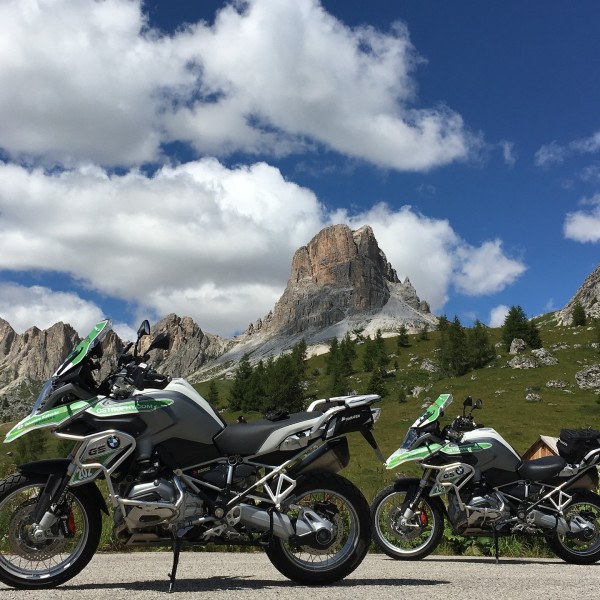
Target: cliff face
<point x="35" y="353"/>
<point x="28" y="358"/>
<point x="588" y="295"/>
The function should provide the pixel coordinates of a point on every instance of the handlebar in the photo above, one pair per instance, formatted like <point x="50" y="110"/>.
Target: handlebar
<point x="138" y="374"/>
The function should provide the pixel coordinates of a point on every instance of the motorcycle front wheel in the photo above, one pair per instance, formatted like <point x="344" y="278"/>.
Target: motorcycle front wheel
<point x="70" y="544"/>
<point x="340" y="502"/>
<point x="412" y="540"/>
<point x="583" y="515"/>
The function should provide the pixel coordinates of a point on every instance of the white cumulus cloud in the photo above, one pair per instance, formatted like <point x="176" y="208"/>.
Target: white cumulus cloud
<point x="498" y="315"/>
<point x="584" y="225"/>
<point x="212" y="242"/>
<point x="24" y="306"/>
<point x="486" y="269"/>
<point x="99" y="86"/>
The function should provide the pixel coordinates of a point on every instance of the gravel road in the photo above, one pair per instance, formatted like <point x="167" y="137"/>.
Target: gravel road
<point x="222" y="575"/>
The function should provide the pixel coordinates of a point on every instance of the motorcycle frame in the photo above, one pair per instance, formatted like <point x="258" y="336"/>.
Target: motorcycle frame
<point x="555" y="505"/>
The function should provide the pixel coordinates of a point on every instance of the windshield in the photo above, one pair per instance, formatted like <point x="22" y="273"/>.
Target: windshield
<point x="411" y="435"/>
<point x="44" y="392"/>
<point x="84" y="347"/>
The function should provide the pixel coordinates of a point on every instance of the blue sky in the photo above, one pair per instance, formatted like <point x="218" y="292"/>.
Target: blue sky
<point x="164" y="157"/>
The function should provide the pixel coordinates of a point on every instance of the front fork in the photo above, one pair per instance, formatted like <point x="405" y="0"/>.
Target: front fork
<point x="48" y="505"/>
<point x="409" y="507"/>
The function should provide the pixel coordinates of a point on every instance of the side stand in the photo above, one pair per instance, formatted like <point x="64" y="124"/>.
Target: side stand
<point x="176" y="550"/>
<point x="496" y="547"/>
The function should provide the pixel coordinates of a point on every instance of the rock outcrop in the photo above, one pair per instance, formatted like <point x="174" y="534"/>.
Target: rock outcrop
<point x="36" y="353"/>
<point x="26" y="360"/>
<point x="588" y="295"/>
<point x="340" y="282"/>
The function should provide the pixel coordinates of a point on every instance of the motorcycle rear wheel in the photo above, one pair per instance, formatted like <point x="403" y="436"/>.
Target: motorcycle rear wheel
<point x="413" y="541"/>
<point x="583" y="550"/>
<point x="352" y="535"/>
<point x="29" y="564"/>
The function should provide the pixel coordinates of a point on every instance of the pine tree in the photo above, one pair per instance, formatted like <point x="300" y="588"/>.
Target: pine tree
<point x="579" y="317"/>
<point x="284" y="388"/>
<point x="402" y="339"/>
<point x="369" y="354"/>
<point x="534" y="338"/>
<point x="339" y="365"/>
<point x="458" y="355"/>
<point x="333" y="358"/>
<point x="516" y="325"/>
<point x="481" y="351"/>
<point x="213" y="393"/>
<point x="239" y="390"/>
<point x="377" y="383"/>
<point x="443" y="344"/>
<point x="348" y="354"/>
<point x="381" y="357"/>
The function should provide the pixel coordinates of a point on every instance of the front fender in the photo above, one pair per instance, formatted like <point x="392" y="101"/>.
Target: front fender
<point x="49" y="466"/>
<point x="59" y="466"/>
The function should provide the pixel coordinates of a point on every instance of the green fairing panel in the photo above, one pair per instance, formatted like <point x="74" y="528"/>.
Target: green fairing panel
<point x="465" y="448"/>
<point x="50" y="418"/>
<point x="109" y="408"/>
<point x="433" y="412"/>
<point x="399" y="458"/>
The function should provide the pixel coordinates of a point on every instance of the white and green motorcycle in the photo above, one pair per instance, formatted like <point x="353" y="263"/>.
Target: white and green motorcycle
<point x="488" y="489"/>
<point x="176" y="474"/>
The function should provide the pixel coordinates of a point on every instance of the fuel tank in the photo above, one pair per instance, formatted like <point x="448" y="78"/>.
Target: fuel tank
<point x="177" y="421"/>
<point x="496" y="459"/>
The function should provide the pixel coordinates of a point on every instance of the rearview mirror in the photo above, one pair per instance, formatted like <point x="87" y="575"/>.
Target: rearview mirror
<point x="144" y="329"/>
<point x="161" y="341"/>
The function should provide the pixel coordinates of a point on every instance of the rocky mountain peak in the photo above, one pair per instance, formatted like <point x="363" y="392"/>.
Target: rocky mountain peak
<point x="190" y="347"/>
<point x="340" y="274"/>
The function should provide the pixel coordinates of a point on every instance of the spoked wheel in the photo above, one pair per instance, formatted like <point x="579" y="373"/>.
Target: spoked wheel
<point x="341" y="537"/>
<point x="581" y="545"/>
<point x="410" y="540"/>
<point x="69" y="544"/>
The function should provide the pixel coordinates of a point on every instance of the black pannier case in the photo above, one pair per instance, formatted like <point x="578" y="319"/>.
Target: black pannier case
<point x="574" y="444"/>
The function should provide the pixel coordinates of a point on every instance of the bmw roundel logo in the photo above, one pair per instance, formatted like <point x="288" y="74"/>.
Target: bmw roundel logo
<point x="459" y="470"/>
<point x="113" y="442"/>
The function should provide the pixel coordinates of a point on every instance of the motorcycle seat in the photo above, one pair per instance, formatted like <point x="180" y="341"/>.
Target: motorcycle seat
<point x="540" y="469"/>
<point x="245" y="439"/>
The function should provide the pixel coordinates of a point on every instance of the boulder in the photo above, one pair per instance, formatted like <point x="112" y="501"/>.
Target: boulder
<point x="517" y="346"/>
<point x="522" y="362"/>
<point x="544" y="357"/>
<point x="589" y="378"/>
